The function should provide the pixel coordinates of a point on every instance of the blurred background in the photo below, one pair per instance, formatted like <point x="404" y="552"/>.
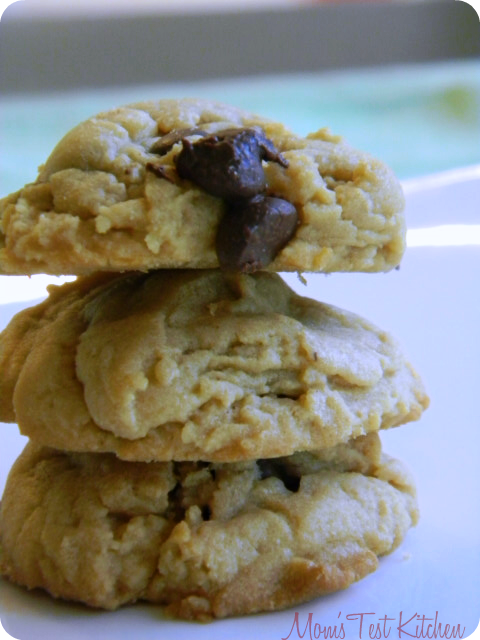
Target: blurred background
<point x="52" y="44"/>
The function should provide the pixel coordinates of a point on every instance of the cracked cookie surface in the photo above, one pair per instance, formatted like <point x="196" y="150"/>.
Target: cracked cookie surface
<point x="96" y="206"/>
<point x="208" y="540"/>
<point x="176" y="365"/>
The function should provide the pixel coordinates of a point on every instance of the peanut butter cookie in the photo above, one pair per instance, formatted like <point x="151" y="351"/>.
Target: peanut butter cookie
<point x="205" y="539"/>
<point x="197" y="184"/>
<point x="199" y="365"/>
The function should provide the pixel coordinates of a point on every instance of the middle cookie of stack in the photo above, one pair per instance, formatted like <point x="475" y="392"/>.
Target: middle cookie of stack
<point x="199" y="365"/>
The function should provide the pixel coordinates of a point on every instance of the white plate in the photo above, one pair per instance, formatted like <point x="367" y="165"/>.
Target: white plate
<point x="432" y="306"/>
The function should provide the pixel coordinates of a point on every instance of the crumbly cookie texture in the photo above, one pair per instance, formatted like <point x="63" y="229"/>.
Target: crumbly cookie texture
<point x="96" y="206"/>
<point x="208" y="540"/>
<point x="198" y="365"/>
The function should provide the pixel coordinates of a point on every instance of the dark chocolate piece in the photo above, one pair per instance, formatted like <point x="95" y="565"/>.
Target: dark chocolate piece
<point x="252" y="232"/>
<point x="228" y="164"/>
<point x="166" y="142"/>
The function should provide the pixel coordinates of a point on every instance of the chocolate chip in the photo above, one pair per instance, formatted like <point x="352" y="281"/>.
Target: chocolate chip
<point x="166" y="142"/>
<point x="228" y="164"/>
<point x="252" y="232"/>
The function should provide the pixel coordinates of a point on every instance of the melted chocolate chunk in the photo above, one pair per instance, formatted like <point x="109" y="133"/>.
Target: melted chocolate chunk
<point x="253" y="231"/>
<point x="228" y="164"/>
<point x="166" y="142"/>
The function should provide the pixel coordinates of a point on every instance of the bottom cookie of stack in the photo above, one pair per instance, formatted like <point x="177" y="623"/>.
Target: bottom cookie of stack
<point x="206" y="539"/>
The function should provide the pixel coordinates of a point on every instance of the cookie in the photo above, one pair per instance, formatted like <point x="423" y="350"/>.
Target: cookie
<point x="199" y="365"/>
<point x="205" y="539"/>
<point x="169" y="184"/>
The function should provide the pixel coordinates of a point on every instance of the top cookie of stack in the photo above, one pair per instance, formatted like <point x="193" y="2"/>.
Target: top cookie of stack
<point x="143" y="187"/>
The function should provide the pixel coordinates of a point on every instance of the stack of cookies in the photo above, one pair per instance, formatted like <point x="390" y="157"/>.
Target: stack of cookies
<point x="200" y="436"/>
